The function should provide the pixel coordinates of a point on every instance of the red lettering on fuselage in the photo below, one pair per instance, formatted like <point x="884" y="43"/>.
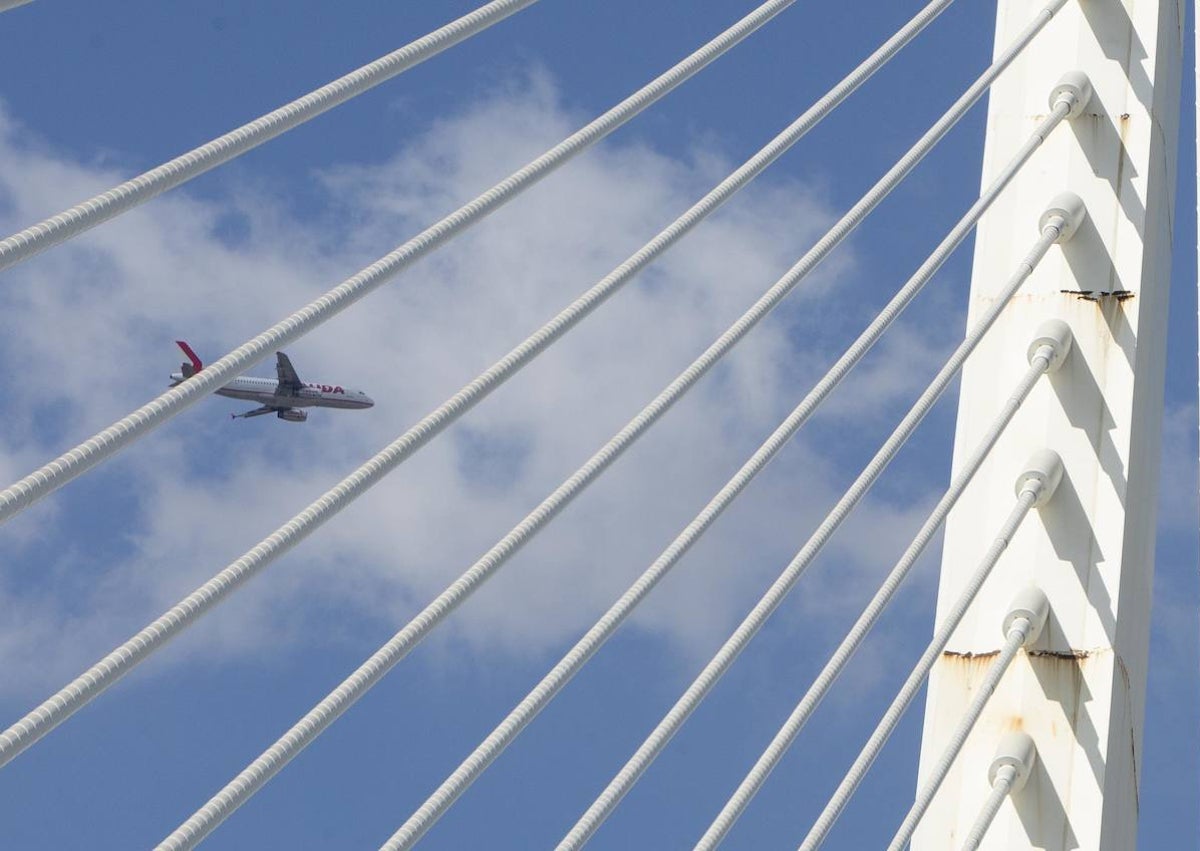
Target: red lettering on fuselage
<point x="327" y="388"/>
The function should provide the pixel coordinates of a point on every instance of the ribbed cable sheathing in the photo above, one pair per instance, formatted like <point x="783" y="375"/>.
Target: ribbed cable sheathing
<point x="56" y="709"/>
<point x="1018" y="634"/>
<point x="150" y="184"/>
<point x="153" y="414"/>
<point x="521" y="715"/>
<point x="916" y="679"/>
<point x="305" y="731"/>
<point x="1001" y="786"/>
<point x="649" y="750"/>
<point x="857" y="634"/>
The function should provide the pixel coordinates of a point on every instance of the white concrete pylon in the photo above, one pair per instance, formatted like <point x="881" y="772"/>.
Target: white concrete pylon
<point x="1080" y="691"/>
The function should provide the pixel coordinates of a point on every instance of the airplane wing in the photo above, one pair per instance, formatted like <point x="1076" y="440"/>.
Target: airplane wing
<point x="289" y="381"/>
<point x="258" y="412"/>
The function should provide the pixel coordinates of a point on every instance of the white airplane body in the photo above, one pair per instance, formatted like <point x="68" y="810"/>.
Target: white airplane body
<point x="283" y="395"/>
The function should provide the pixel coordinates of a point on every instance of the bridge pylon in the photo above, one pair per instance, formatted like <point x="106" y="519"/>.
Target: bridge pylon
<point x="1076" y="694"/>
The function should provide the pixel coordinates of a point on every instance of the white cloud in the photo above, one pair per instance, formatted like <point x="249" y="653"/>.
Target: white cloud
<point x="86" y="336"/>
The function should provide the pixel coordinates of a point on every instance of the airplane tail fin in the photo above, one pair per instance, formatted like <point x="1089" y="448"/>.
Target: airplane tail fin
<point x="193" y="363"/>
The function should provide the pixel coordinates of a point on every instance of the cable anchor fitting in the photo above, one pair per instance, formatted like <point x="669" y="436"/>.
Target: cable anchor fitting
<point x="1031" y="606"/>
<point x="1016" y="750"/>
<point x="1075" y="88"/>
<point x="1055" y="335"/>
<point x="1042" y="475"/>
<point x="1069" y="209"/>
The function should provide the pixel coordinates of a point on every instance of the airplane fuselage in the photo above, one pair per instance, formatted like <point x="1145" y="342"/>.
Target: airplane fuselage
<point x="265" y="392"/>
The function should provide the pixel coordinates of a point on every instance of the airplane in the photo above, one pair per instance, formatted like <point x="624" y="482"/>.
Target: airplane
<point x="283" y="396"/>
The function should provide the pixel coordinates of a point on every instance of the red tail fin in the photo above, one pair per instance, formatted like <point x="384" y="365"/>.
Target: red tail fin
<point x="189" y="369"/>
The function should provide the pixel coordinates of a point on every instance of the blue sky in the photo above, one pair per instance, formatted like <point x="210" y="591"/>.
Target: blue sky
<point x="98" y="92"/>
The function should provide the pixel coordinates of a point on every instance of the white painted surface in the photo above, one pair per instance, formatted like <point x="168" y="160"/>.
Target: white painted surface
<point x="1091" y="549"/>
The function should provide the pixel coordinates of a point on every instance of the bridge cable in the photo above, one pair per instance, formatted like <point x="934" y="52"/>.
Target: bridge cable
<point x="313" y="724"/>
<point x="138" y="190"/>
<point x="1001" y="785"/>
<point x="545" y="691"/>
<point x="113" y="439"/>
<point x="7" y="5"/>
<point x="1015" y="758"/>
<point x="602" y="807"/>
<point x="1032" y="491"/>
<point x="653" y="745"/>
<point x="86" y="687"/>
<point x="1047" y="351"/>
<point x="1066" y="102"/>
<point x="1021" y="628"/>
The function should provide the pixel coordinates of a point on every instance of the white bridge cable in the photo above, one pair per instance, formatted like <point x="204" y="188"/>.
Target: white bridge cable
<point x="720" y="663"/>
<point x="658" y="739"/>
<point x="1021" y="630"/>
<point x="715" y="669"/>
<point x="1016" y="754"/>
<point x="757" y="776"/>
<point x="100" y="676"/>
<point x="91" y="683"/>
<point x="1029" y="494"/>
<point x="113" y="439"/>
<point x="314" y="723"/>
<point x="540" y="696"/>
<point x="857" y="634"/>
<point x="1002" y="784"/>
<point x="138" y="190"/>
<point x="6" y="5"/>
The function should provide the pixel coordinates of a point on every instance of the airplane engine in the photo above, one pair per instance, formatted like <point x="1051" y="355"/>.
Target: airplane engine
<point x="292" y="416"/>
